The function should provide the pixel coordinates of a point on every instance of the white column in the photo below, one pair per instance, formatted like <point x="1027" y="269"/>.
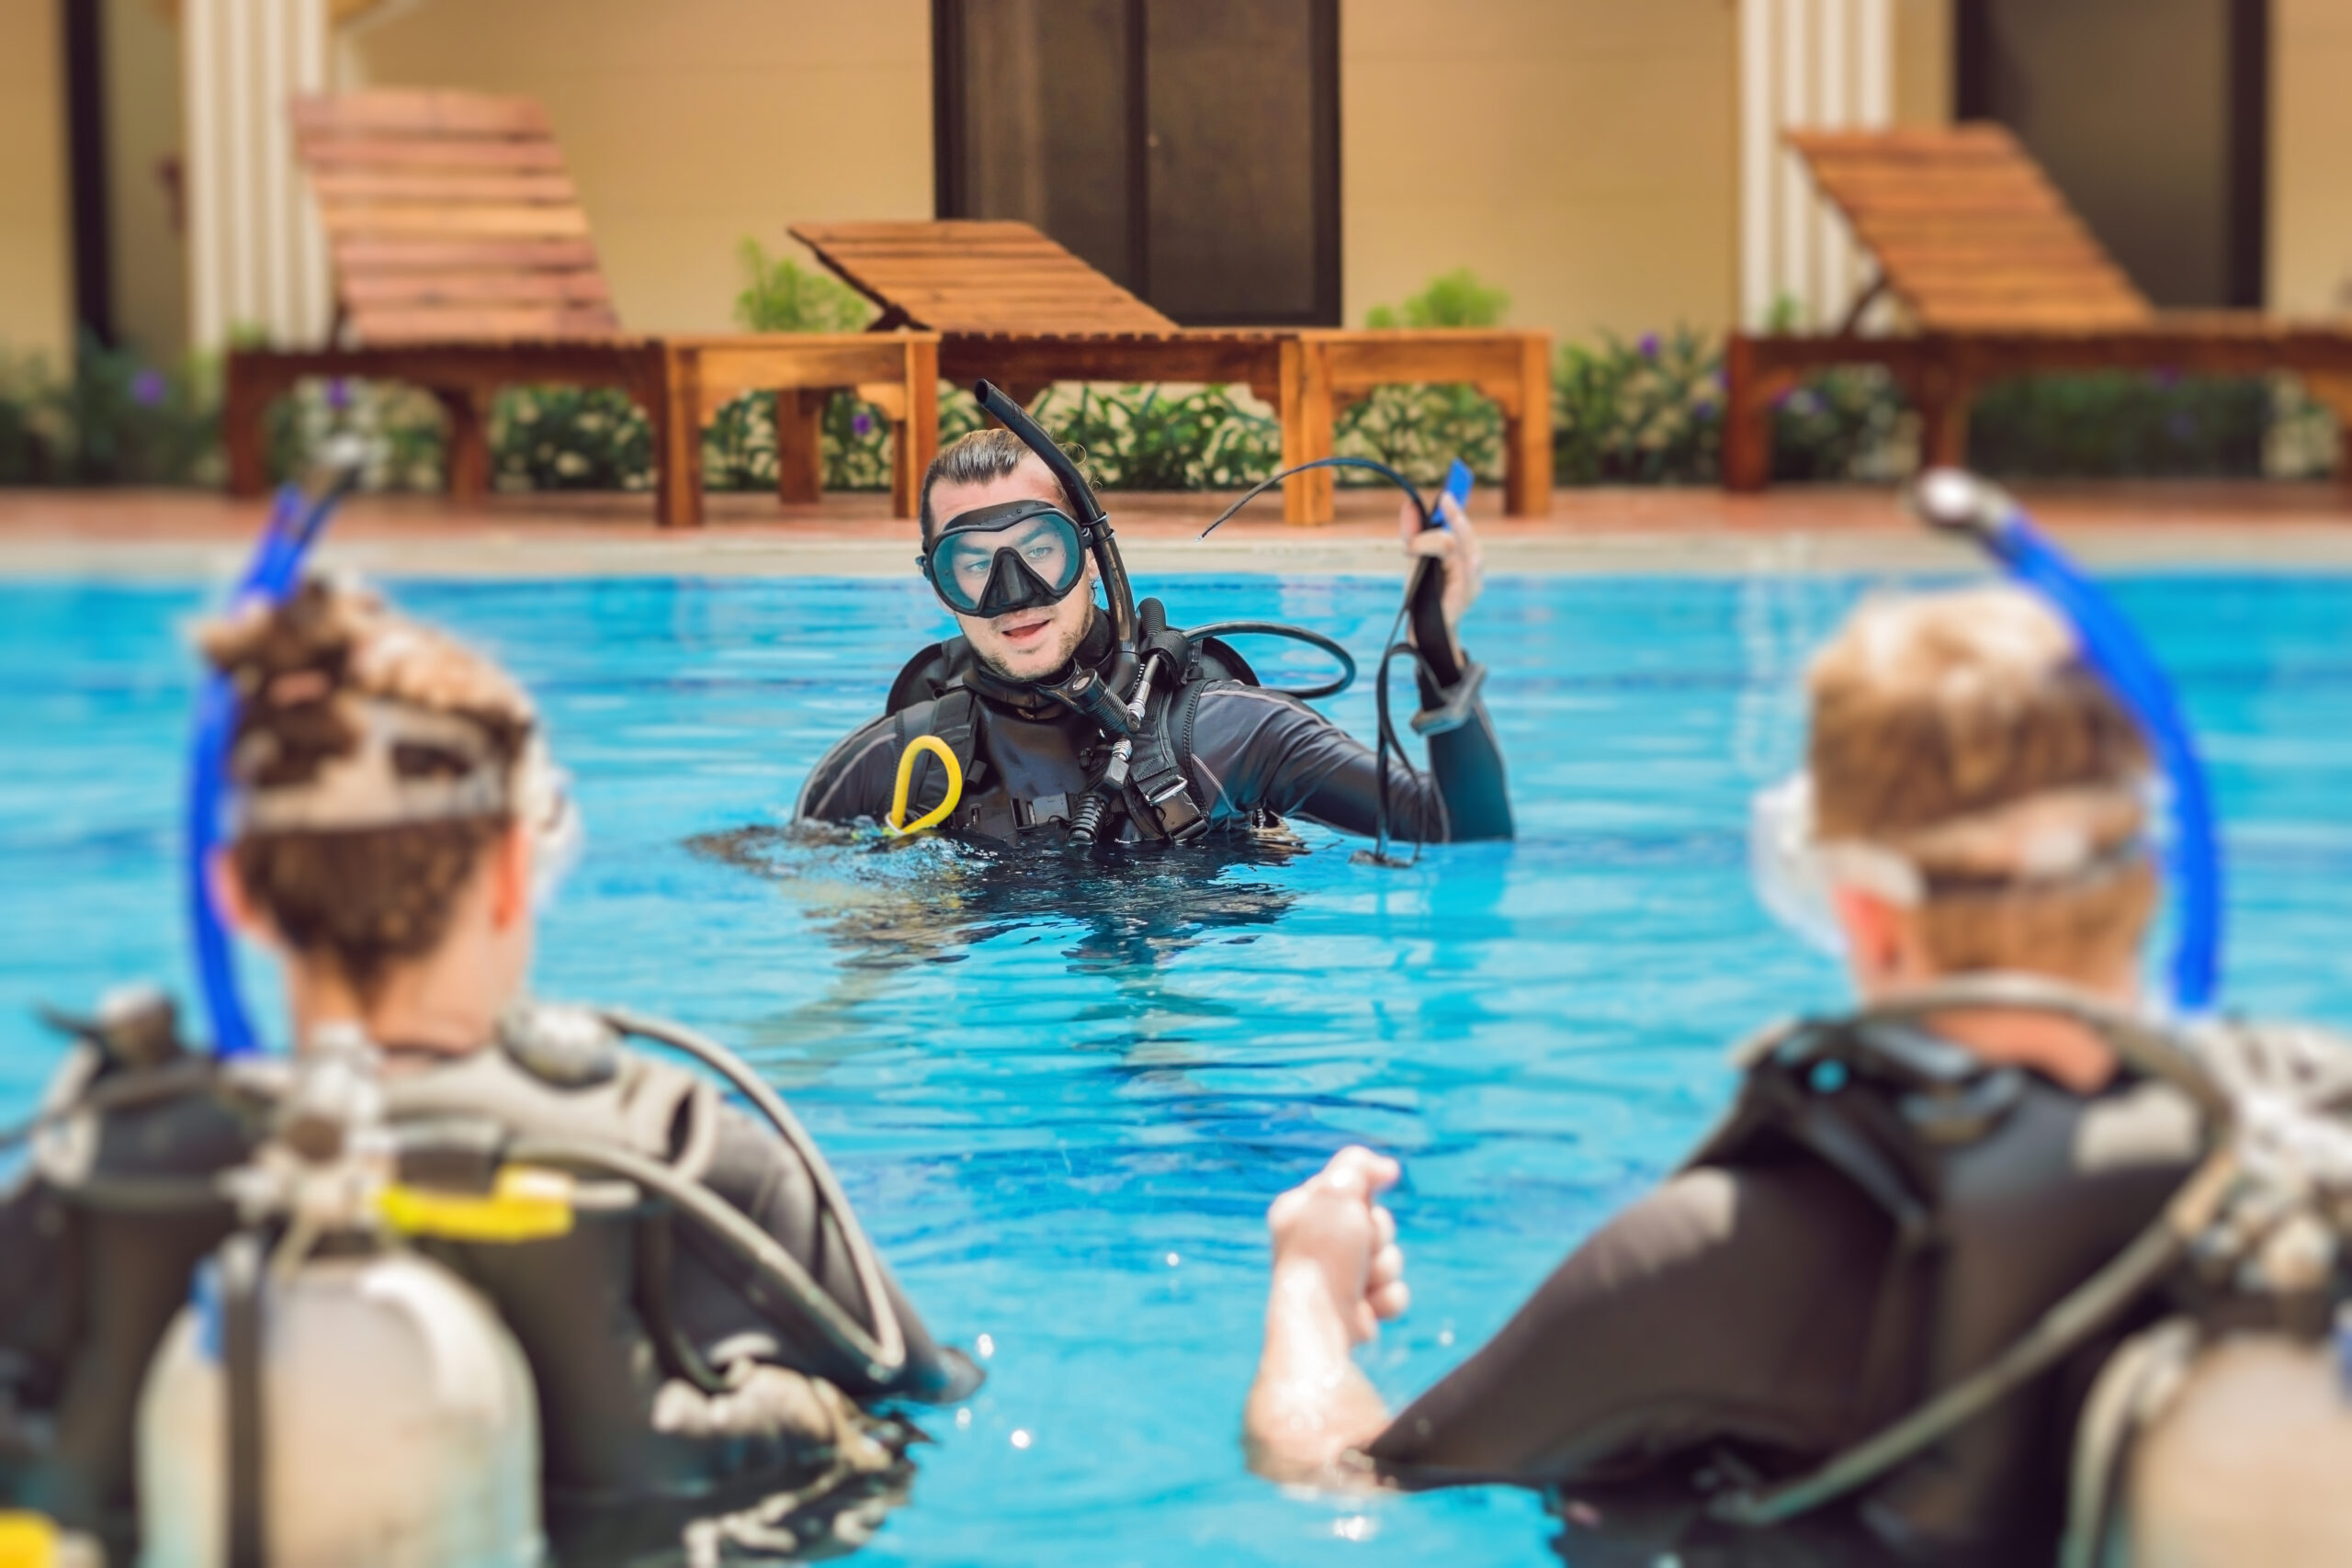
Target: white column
<point x="256" y="262"/>
<point x="1813" y="63"/>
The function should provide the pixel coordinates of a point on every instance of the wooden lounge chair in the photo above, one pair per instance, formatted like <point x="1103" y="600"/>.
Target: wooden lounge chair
<point x="1015" y="307"/>
<point x="1999" y="278"/>
<point x="463" y="265"/>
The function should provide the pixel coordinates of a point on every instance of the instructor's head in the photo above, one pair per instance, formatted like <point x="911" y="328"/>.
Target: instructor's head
<point x="989" y="469"/>
<point x="1978" y="795"/>
<point x="395" y="807"/>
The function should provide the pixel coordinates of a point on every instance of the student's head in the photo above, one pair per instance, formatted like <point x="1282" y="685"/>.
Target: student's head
<point x="392" y="796"/>
<point x="987" y="469"/>
<point x="1978" y="794"/>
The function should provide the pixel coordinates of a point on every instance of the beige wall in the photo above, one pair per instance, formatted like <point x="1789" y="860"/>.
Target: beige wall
<point x="692" y="123"/>
<point x="1580" y="153"/>
<point x="150" y="256"/>
<point x="1923" y="62"/>
<point x="2311" y="183"/>
<point x="36" y="235"/>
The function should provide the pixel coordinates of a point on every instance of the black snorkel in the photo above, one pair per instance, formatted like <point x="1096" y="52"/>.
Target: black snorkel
<point x="1094" y="525"/>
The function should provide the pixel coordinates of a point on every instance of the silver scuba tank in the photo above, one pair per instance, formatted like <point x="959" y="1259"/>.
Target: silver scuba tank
<point x="336" y="1398"/>
<point x="2244" y="1458"/>
<point x="2227" y="1440"/>
<point x="397" y="1424"/>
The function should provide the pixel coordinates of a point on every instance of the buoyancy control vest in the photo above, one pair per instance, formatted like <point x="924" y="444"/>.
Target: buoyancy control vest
<point x="2003" y="1193"/>
<point x="660" y="1325"/>
<point x="1032" y="741"/>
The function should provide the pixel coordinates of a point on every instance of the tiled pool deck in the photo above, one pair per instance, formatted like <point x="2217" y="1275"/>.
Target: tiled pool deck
<point x="178" y="533"/>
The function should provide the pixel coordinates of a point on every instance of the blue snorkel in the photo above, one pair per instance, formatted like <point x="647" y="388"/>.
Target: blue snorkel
<point x="295" y="520"/>
<point x="1950" y="498"/>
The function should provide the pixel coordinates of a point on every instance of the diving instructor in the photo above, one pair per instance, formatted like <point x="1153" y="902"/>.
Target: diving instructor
<point x="1100" y="721"/>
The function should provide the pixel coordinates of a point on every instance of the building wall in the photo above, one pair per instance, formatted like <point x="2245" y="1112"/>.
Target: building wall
<point x="35" y="232"/>
<point x="143" y="133"/>
<point x="2311" y="126"/>
<point x="691" y="124"/>
<point x="1923" y="62"/>
<point x="1580" y="153"/>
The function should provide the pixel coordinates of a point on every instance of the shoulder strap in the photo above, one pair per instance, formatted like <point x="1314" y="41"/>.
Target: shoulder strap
<point x="928" y="673"/>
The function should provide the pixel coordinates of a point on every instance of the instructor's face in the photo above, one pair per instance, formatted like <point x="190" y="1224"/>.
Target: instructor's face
<point x="1021" y="644"/>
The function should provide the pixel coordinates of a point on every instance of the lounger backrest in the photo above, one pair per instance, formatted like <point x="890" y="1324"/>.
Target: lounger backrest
<point x="975" y="276"/>
<point x="1971" y="233"/>
<point x="450" y="218"/>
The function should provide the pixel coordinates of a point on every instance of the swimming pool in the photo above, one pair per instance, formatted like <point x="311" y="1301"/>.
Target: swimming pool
<point x="1063" y="1128"/>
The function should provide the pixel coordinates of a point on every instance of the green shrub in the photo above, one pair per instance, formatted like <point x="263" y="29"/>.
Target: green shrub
<point x="117" y="420"/>
<point x="2120" y="424"/>
<point x="1456" y="299"/>
<point x="1141" y="438"/>
<point x="1648" y="412"/>
<point x="781" y="296"/>
<point x="570" y="439"/>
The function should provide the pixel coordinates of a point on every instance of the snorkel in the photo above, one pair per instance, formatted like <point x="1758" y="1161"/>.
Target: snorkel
<point x="1094" y="526"/>
<point x="295" y="520"/>
<point x="1959" y="503"/>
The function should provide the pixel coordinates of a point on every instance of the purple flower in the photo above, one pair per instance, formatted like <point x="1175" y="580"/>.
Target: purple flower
<point x="862" y="422"/>
<point x="338" y="394"/>
<point x="1649" y="345"/>
<point x="148" y="388"/>
<point x="1703" y="410"/>
<point x="2166" y="377"/>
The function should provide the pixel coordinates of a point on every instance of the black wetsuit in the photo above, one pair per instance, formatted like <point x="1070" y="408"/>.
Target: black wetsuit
<point x="1246" y="753"/>
<point x="1763" y="1305"/>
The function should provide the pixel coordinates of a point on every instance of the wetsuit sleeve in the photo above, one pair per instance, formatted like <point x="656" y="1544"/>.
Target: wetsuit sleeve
<point x="1253" y="747"/>
<point x="1726" y="1307"/>
<point x="759" y="1174"/>
<point x="855" y="779"/>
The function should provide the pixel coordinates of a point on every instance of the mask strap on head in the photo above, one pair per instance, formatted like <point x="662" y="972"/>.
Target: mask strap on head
<point x="1094" y="525"/>
<point x="295" y="521"/>
<point x="1962" y="503"/>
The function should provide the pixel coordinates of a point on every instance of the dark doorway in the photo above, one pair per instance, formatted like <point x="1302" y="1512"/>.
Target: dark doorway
<point x="1189" y="149"/>
<point x="2150" y="115"/>
<point x="86" y="141"/>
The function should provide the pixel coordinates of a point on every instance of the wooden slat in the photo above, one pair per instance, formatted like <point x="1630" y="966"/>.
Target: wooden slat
<point x="359" y="252"/>
<point x="384" y="289"/>
<point x="434" y="184"/>
<point x="421" y="112"/>
<point x="971" y="276"/>
<point x="427" y="323"/>
<point x="338" y="151"/>
<point x="452" y="220"/>
<point x="1968" y="229"/>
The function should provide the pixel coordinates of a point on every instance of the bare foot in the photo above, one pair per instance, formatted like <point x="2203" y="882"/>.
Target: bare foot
<point x="1338" y="1274"/>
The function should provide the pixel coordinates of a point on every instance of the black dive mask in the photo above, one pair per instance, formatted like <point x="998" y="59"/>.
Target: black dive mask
<point x="1019" y="555"/>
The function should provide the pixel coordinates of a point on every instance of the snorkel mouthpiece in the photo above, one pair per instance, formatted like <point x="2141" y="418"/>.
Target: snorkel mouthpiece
<point x="295" y="520"/>
<point x="1092" y="520"/>
<point x="1960" y="502"/>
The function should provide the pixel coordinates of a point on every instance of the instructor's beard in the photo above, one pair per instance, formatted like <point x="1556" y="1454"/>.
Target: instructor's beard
<point x="1050" y="652"/>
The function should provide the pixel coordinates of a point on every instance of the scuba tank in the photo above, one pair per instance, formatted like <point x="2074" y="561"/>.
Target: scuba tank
<point x="2221" y="1435"/>
<point x="327" y="1395"/>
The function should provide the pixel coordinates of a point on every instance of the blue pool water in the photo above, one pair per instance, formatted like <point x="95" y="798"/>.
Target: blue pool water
<point x="1063" y="1128"/>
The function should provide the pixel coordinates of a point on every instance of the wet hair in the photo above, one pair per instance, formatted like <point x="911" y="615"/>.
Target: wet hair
<point x="1930" y="707"/>
<point x="976" y="458"/>
<point x="363" y="899"/>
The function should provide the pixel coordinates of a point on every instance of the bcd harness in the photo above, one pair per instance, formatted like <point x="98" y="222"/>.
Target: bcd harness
<point x="1136" y="769"/>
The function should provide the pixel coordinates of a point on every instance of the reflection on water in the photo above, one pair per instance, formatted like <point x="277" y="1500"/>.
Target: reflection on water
<point x="889" y="903"/>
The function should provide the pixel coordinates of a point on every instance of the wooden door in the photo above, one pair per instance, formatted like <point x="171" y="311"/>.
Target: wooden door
<point x="1189" y="149"/>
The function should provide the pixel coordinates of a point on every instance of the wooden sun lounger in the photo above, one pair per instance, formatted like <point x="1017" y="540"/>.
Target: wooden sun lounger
<point x="463" y="265"/>
<point x="2000" y="278"/>
<point x="1015" y="307"/>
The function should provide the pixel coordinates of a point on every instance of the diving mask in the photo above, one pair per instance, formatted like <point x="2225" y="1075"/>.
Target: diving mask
<point x="1019" y="555"/>
<point x="2053" y="839"/>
